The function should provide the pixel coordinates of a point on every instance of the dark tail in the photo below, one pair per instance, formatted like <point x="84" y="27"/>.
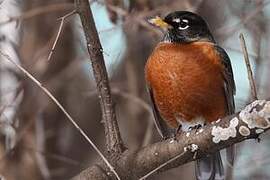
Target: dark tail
<point x="210" y="168"/>
<point x="230" y="153"/>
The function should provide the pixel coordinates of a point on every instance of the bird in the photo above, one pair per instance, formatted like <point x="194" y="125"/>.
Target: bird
<point x="190" y="81"/>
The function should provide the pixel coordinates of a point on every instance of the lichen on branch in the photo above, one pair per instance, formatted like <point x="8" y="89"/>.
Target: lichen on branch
<point x="249" y="123"/>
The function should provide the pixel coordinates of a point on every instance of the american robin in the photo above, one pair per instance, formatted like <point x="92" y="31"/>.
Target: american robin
<point x="190" y="81"/>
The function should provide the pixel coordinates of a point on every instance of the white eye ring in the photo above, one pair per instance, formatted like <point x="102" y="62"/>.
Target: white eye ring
<point x="186" y="23"/>
<point x="183" y="28"/>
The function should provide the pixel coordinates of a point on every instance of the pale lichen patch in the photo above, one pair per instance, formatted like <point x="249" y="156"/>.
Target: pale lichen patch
<point x="259" y="131"/>
<point x="222" y="134"/>
<point x="191" y="147"/>
<point x="257" y="118"/>
<point x="234" y="122"/>
<point x="194" y="147"/>
<point x="188" y="134"/>
<point x="262" y="122"/>
<point x="244" y="131"/>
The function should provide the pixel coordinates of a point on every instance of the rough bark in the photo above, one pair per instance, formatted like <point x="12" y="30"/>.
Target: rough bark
<point x="249" y="123"/>
<point x="114" y="142"/>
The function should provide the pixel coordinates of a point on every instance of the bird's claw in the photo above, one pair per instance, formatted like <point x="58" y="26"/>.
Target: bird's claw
<point x="196" y="127"/>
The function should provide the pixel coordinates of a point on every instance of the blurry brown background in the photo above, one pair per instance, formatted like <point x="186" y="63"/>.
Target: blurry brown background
<point x="37" y="140"/>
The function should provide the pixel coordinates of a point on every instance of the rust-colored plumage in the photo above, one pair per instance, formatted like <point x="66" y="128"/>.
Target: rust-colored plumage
<point x="190" y="82"/>
<point x="187" y="81"/>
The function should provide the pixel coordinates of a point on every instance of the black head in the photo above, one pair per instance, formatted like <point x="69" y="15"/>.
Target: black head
<point x="185" y="27"/>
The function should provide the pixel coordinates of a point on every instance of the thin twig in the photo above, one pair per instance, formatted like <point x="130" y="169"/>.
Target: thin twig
<point x="249" y="70"/>
<point x="59" y="31"/>
<point x="162" y="165"/>
<point x="47" y="92"/>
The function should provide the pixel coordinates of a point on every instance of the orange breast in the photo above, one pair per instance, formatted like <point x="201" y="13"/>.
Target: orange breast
<point x="187" y="81"/>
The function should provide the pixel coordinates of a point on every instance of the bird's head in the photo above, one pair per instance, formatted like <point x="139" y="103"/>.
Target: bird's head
<point x="183" y="27"/>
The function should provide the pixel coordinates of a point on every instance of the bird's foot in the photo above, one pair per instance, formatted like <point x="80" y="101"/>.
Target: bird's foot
<point x="196" y="127"/>
<point x="178" y="130"/>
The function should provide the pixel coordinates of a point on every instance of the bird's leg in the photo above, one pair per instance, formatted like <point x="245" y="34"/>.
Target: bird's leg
<point x="178" y="128"/>
<point x="258" y="138"/>
<point x="177" y="131"/>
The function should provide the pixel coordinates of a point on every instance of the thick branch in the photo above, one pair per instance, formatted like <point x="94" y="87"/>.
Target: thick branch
<point x="248" y="123"/>
<point x="113" y="139"/>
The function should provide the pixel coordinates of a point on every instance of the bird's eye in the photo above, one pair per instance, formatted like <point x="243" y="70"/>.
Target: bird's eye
<point x="183" y="24"/>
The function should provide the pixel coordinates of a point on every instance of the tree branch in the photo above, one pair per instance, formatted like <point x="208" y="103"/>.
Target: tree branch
<point x="114" y="142"/>
<point x="249" y="123"/>
<point x="59" y="32"/>
<point x="57" y="103"/>
<point x="249" y="70"/>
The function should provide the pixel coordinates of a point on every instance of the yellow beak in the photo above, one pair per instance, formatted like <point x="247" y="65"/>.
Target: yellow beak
<point x="157" y="21"/>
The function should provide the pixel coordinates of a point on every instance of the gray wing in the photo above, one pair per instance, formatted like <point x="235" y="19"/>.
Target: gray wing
<point x="164" y="130"/>
<point x="229" y="84"/>
<point x="229" y="90"/>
